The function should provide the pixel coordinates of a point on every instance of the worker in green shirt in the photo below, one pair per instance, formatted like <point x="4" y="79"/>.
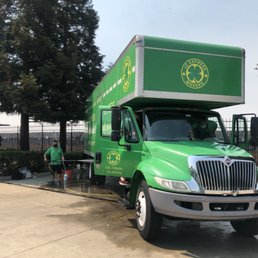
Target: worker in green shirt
<point x="54" y="155"/>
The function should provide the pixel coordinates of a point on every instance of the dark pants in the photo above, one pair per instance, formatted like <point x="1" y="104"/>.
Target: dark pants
<point x="57" y="168"/>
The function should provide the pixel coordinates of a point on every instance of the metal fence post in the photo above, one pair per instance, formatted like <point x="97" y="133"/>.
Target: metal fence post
<point x="71" y="137"/>
<point x="42" y="137"/>
<point x="18" y="140"/>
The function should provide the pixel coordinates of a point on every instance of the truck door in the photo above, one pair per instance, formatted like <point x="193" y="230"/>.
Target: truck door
<point x="245" y="133"/>
<point x="121" y="157"/>
<point x="239" y="133"/>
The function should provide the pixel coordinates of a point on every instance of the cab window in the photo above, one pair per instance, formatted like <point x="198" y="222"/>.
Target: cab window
<point x="106" y="123"/>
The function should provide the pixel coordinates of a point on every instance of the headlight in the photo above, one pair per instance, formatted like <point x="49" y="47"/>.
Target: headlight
<point x="178" y="186"/>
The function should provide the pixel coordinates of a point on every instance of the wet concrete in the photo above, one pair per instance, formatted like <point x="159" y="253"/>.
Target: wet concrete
<point x="82" y="186"/>
<point x="52" y="224"/>
<point x="206" y="239"/>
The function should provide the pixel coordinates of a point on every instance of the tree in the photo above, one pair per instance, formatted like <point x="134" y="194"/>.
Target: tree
<point x="15" y="68"/>
<point x="5" y="13"/>
<point x="52" y="41"/>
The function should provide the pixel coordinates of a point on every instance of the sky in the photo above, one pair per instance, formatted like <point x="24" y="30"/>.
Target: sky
<point x="224" y="22"/>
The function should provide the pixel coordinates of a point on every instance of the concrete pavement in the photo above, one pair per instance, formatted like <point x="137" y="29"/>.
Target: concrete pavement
<point x="39" y="223"/>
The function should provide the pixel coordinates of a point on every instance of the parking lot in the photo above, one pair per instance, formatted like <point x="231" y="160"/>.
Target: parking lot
<point x="46" y="223"/>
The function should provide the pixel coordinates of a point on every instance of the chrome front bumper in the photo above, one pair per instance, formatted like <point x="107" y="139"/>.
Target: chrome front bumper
<point x="202" y="207"/>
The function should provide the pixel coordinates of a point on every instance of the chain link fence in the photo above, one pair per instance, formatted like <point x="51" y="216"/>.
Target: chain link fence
<point x="228" y="124"/>
<point x="42" y="136"/>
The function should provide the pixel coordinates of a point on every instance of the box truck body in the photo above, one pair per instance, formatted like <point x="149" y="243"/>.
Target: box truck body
<point x="150" y="120"/>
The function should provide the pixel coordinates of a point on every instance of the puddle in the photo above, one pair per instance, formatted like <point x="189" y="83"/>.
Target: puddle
<point x="110" y="190"/>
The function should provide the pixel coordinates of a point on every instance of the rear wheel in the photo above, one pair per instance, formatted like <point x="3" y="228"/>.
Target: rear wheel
<point x="148" y="220"/>
<point x="247" y="227"/>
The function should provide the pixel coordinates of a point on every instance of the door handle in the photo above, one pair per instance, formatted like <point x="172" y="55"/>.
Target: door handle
<point x="98" y="157"/>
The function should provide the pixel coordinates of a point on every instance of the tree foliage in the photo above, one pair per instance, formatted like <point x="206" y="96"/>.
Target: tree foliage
<point x="49" y="63"/>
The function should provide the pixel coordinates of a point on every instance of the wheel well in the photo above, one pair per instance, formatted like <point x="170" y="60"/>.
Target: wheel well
<point x="136" y="180"/>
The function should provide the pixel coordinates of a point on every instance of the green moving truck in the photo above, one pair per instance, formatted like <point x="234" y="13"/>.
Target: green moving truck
<point x="150" y="120"/>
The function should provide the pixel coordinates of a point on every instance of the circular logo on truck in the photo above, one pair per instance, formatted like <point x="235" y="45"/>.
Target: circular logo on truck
<point x="113" y="158"/>
<point x="127" y="72"/>
<point x="194" y="73"/>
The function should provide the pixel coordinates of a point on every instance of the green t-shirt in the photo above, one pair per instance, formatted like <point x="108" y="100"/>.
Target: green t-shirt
<point x="55" y="154"/>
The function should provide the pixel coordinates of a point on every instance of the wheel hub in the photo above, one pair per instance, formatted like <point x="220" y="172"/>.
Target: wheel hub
<point x="141" y="209"/>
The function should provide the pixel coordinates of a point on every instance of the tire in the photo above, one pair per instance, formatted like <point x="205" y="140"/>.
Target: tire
<point x="148" y="220"/>
<point x="247" y="227"/>
<point x="100" y="180"/>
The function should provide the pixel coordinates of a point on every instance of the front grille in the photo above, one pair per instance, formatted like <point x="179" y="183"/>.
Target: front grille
<point x="216" y="175"/>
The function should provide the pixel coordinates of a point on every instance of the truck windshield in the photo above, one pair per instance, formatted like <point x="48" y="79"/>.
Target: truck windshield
<point x="185" y="126"/>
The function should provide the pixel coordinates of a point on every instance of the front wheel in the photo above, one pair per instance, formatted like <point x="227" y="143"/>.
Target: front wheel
<point x="247" y="227"/>
<point x="148" y="220"/>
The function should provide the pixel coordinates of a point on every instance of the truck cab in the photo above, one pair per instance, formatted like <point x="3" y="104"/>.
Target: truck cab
<point x="180" y="156"/>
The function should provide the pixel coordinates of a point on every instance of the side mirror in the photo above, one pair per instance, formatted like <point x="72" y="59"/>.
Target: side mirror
<point x="116" y="119"/>
<point x="254" y="131"/>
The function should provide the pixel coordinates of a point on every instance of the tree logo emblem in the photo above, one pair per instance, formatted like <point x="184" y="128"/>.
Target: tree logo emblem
<point x="113" y="158"/>
<point x="127" y="72"/>
<point x="194" y="73"/>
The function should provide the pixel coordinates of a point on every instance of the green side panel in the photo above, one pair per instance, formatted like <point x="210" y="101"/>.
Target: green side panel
<point x="119" y="82"/>
<point x="187" y="67"/>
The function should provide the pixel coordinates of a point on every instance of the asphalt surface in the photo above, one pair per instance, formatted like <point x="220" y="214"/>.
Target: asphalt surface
<point x="42" y="221"/>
